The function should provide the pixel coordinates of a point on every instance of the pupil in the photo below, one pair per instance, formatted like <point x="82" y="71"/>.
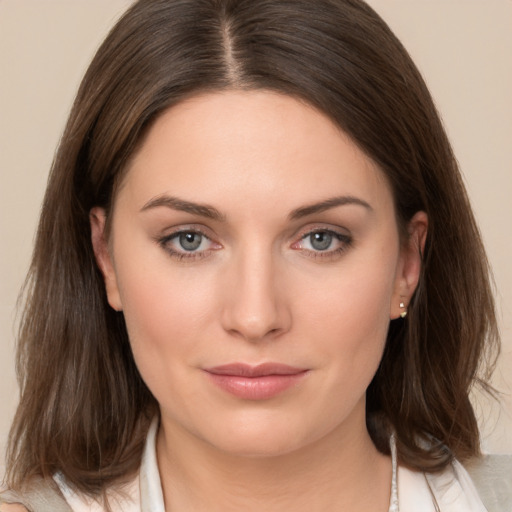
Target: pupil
<point x="190" y="241"/>
<point x="321" y="241"/>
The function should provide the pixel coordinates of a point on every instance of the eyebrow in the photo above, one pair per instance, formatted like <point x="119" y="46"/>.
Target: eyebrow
<point x="203" y="210"/>
<point x="210" y="212"/>
<point x="322" y="206"/>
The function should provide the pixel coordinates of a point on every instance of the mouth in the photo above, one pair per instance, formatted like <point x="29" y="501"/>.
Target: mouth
<point x="260" y="382"/>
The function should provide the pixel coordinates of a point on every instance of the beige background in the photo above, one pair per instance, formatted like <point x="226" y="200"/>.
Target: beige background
<point x="463" y="47"/>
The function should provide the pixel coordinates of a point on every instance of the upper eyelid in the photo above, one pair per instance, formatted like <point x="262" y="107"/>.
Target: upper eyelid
<point x="341" y="237"/>
<point x="182" y="254"/>
<point x="324" y="230"/>
<point x="307" y="230"/>
<point x="172" y="232"/>
<point x="163" y="239"/>
<point x="299" y="234"/>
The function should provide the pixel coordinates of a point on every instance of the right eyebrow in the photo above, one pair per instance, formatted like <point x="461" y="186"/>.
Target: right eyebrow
<point x="327" y="204"/>
<point x="174" y="203"/>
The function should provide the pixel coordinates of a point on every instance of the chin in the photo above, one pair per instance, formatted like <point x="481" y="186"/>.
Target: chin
<point x="262" y="437"/>
<point x="260" y="446"/>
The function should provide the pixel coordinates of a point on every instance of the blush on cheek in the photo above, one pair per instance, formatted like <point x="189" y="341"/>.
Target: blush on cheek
<point x="161" y="320"/>
<point x="358" y="318"/>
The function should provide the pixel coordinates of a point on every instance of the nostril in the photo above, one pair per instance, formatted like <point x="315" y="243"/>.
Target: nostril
<point x="256" y="308"/>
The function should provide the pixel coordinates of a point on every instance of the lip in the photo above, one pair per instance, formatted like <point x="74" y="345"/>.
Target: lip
<point x="260" y="382"/>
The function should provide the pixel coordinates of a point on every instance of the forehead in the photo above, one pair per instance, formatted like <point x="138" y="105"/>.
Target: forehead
<point x="253" y="145"/>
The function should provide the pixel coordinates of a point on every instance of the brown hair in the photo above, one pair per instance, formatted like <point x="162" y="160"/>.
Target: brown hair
<point x="84" y="409"/>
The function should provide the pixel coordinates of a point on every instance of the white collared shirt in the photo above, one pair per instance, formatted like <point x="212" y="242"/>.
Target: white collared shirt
<point x="452" y="490"/>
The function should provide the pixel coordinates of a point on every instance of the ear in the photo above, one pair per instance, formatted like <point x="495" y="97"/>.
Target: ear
<point x="409" y="265"/>
<point x="97" y="218"/>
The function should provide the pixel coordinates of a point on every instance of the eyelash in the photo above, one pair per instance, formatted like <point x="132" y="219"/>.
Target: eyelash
<point x="164" y="242"/>
<point x="345" y="240"/>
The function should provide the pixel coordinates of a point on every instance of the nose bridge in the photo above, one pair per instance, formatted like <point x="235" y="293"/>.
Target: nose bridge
<point x="256" y="307"/>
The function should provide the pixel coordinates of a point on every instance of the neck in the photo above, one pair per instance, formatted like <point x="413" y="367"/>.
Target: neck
<point x="341" y="471"/>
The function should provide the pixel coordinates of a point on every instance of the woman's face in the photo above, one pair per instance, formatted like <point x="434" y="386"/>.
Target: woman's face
<point x="248" y="231"/>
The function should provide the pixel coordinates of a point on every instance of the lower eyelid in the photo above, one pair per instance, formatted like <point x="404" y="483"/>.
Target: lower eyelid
<point x="345" y="241"/>
<point x="166" y="243"/>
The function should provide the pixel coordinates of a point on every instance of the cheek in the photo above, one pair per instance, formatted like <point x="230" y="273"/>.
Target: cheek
<point x="349" y="314"/>
<point x="356" y="325"/>
<point x="354" y="300"/>
<point x="165" y="313"/>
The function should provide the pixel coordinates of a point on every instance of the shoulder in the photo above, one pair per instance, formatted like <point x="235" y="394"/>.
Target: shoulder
<point x="39" y="496"/>
<point x="12" y="507"/>
<point x="122" y="497"/>
<point x="481" y="485"/>
<point x="492" y="476"/>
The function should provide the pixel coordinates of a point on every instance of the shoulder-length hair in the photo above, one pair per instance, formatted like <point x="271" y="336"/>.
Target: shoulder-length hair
<point x="84" y="409"/>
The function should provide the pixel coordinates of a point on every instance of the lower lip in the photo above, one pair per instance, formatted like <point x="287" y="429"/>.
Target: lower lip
<point x="256" y="388"/>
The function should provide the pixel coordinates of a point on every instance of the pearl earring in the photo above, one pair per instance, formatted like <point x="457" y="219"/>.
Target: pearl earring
<point x="403" y="314"/>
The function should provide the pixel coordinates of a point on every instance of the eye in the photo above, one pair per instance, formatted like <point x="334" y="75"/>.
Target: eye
<point x="323" y="243"/>
<point x="188" y="243"/>
<point x="321" y="240"/>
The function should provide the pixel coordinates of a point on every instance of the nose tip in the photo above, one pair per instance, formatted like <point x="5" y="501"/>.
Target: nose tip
<point x="253" y="329"/>
<point x="256" y="308"/>
<point x="254" y="320"/>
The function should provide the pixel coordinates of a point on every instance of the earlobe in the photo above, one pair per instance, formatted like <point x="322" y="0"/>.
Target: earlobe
<point x="409" y="269"/>
<point x="97" y="218"/>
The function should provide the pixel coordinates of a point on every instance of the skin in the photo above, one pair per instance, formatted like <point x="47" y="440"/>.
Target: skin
<point x="259" y="290"/>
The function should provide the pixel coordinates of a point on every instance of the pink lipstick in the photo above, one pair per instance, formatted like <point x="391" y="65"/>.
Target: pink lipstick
<point x="259" y="382"/>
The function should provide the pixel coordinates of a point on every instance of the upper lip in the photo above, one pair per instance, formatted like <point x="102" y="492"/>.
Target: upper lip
<point x="260" y="370"/>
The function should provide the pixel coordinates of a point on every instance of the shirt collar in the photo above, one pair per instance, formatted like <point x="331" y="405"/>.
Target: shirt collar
<point x="151" y="496"/>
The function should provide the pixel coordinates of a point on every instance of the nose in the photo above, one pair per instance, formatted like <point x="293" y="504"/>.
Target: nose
<point x="255" y="306"/>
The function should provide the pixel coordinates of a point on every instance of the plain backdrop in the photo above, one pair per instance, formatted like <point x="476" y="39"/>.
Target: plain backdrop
<point x="462" y="47"/>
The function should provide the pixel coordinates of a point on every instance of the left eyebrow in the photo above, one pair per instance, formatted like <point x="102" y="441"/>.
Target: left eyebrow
<point x="174" y="203"/>
<point x="322" y="206"/>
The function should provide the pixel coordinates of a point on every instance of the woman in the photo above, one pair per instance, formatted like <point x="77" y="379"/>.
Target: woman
<point x="257" y="282"/>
